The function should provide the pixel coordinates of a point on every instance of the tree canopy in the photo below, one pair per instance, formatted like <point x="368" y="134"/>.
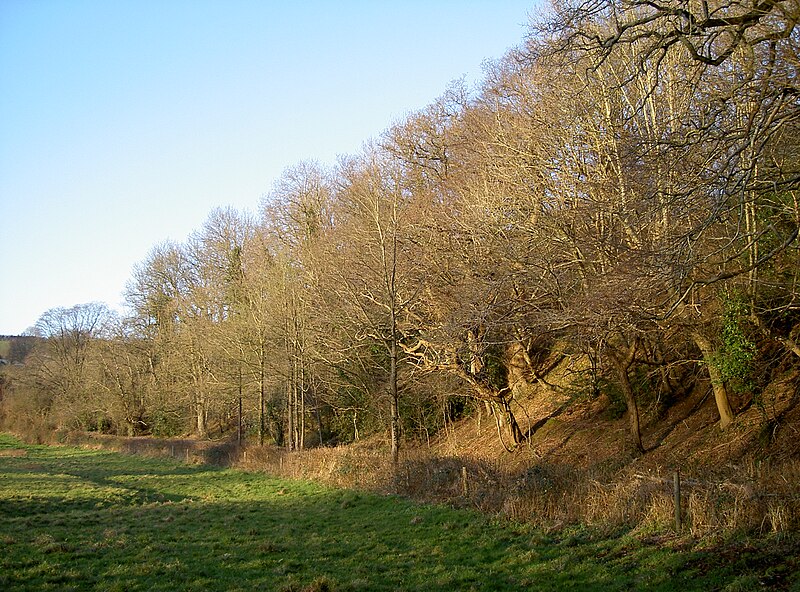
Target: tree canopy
<point x="620" y="192"/>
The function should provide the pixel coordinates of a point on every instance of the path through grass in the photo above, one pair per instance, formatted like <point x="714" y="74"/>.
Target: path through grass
<point x="75" y="519"/>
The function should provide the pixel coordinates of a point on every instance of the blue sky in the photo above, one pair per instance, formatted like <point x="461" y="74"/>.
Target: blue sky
<point x="124" y="123"/>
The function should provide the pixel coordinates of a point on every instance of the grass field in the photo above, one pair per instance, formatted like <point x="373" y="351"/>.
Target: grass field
<point x="77" y="519"/>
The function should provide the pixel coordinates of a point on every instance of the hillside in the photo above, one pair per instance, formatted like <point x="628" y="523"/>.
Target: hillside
<point x="683" y="435"/>
<point x="579" y="465"/>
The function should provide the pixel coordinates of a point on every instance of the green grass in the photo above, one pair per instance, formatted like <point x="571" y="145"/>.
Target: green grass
<point x="75" y="519"/>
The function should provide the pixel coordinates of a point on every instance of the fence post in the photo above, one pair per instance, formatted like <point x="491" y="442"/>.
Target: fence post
<point x="464" y="484"/>
<point x="677" y="496"/>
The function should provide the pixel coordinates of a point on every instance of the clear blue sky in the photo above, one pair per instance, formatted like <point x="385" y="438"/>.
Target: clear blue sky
<point x="123" y="123"/>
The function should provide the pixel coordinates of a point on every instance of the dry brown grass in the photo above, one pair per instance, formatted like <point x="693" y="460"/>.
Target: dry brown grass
<point x="763" y="498"/>
<point x="355" y="467"/>
<point x="553" y="495"/>
<point x="13" y="452"/>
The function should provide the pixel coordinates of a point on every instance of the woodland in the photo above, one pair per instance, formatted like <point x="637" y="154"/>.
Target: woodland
<point x="616" y="203"/>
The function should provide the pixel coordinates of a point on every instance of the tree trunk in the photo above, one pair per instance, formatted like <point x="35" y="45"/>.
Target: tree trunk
<point x="239" y="431"/>
<point x="262" y="396"/>
<point x="630" y="402"/>
<point x="199" y="401"/>
<point x="516" y="432"/>
<point x="289" y="415"/>
<point x="295" y="409"/>
<point x="621" y="365"/>
<point x="289" y="390"/>
<point x="394" y="400"/>
<point x="200" y="414"/>
<point x="726" y="414"/>
<point x="317" y="412"/>
<point x="488" y="395"/>
<point x="302" y="412"/>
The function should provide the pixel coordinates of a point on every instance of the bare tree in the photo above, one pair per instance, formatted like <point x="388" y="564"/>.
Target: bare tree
<point x="368" y="258"/>
<point x="63" y="367"/>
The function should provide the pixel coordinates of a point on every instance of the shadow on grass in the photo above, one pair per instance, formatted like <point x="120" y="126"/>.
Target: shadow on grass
<point x="352" y="541"/>
<point x="57" y="479"/>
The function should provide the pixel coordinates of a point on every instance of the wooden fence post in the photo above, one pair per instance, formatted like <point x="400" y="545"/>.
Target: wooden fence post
<point x="677" y="499"/>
